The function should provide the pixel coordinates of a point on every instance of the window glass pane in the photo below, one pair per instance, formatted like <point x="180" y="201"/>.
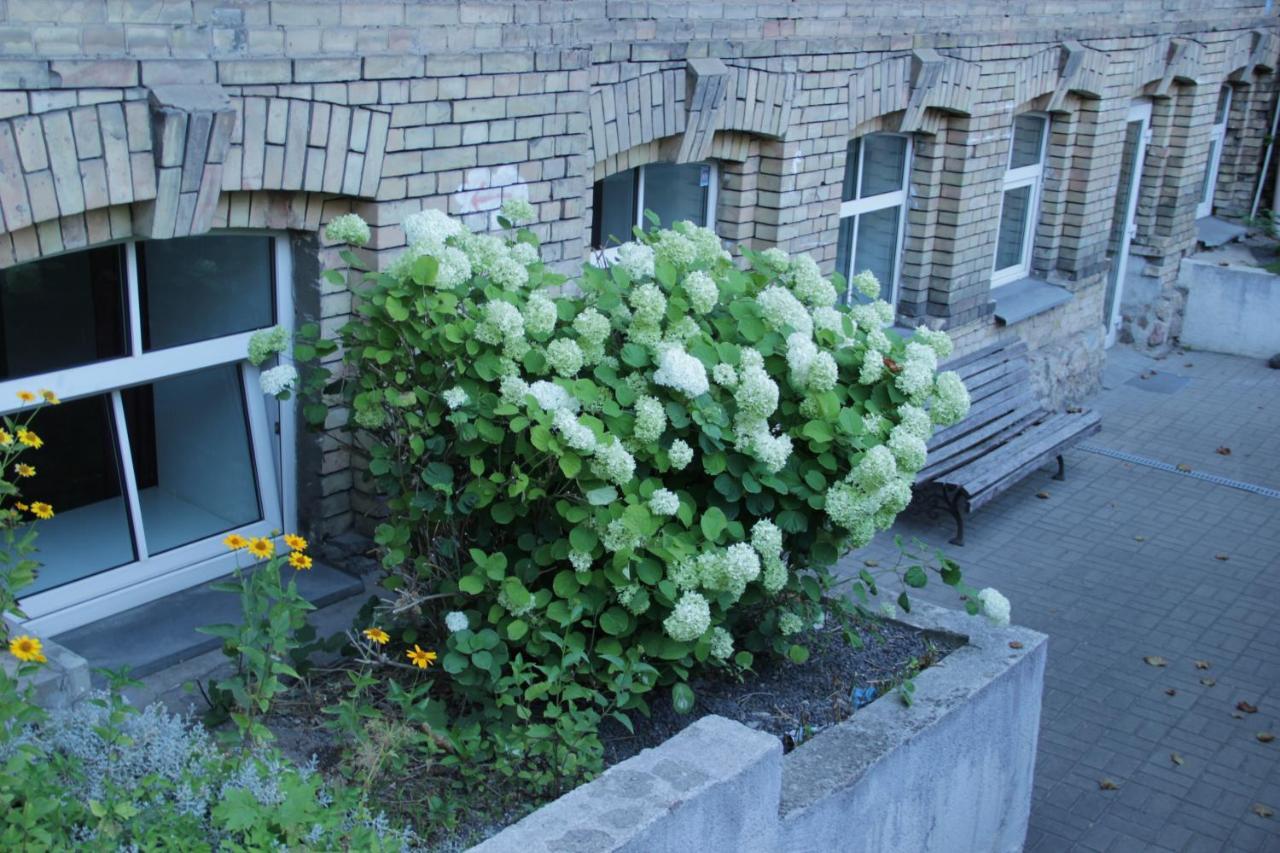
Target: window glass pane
<point x="78" y="474"/>
<point x="844" y="247"/>
<point x="1206" y="191"/>
<point x="62" y="311"/>
<point x="876" y="248"/>
<point x="1013" y="227"/>
<point x="1224" y="104"/>
<point x="885" y="159"/>
<point x="615" y="209"/>
<point x="850" y="191"/>
<point x="196" y="288"/>
<point x="1028" y="133"/>
<point x="191" y="456"/>
<point x="677" y="191"/>
<point x="1124" y="187"/>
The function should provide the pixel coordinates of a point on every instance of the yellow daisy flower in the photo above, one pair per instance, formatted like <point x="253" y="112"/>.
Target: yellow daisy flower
<point x="27" y="648"/>
<point x="261" y="548"/>
<point x="5" y="438"/>
<point x="26" y="396"/>
<point x="295" y="542"/>
<point x="24" y="470"/>
<point x="299" y="560"/>
<point x="49" y="397"/>
<point x="40" y="509"/>
<point x="235" y="542"/>
<point x="20" y="505"/>
<point x="377" y="635"/>
<point x="421" y="659"/>
<point x="30" y="439"/>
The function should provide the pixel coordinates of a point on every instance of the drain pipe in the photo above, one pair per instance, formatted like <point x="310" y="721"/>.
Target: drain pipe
<point x="1266" y="164"/>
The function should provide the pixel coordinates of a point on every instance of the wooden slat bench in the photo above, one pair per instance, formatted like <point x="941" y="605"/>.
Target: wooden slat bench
<point x="1006" y="435"/>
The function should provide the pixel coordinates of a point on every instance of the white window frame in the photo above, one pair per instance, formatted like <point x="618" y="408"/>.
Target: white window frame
<point x="272" y="432"/>
<point x="1217" y="136"/>
<point x="1025" y="176"/>
<point x="603" y="256"/>
<point x="858" y="206"/>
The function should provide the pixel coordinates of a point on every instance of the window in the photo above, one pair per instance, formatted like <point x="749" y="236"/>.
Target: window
<point x="673" y="191"/>
<point x="164" y="442"/>
<point x="1216" y="139"/>
<point x="872" y="211"/>
<point x="1020" y="203"/>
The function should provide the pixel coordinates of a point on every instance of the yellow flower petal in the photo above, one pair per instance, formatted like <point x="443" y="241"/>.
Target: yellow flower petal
<point x="27" y="648"/>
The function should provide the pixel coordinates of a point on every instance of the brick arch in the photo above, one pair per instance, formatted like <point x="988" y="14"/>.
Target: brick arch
<point x="923" y="86"/>
<point x="1066" y="69"/>
<point x="1165" y="62"/>
<point x="696" y="104"/>
<point x="1250" y="53"/>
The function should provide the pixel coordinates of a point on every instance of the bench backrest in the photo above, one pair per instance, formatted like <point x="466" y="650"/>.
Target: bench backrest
<point x="1002" y="403"/>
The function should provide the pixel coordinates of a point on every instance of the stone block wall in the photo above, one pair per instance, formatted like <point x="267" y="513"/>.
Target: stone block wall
<point x="155" y="118"/>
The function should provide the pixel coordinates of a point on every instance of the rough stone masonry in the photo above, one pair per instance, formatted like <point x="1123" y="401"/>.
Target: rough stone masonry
<point x="158" y="118"/>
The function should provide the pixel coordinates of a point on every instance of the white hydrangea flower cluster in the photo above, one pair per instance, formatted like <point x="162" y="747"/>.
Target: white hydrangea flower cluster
<point x="519" y="210"/>
<point x="636" y="260"/>
<point x="664" y="502"/>
<point x="781" y="310"/>
<point x="937" y="340"/>
<point x="689" y="619"/>
<point x="634" y="598"/>
<point x="265" y="343"/>
<point x="580" y="560"/>
<point x="951" y="399"/>
<point x="278" y="380"/>
<point x="577" y="436"/>
<point x="618" y="537"/>
<point x="721" y="644"/>
<point x="675" y="248"/>
<point x="651" y="419"/>
<point x="502" y="323"/>
<point x="995" y="606"/>
<point x="456" y="620"/>
<point x="612" y="462"/>
<point x="766" y="538"/>
<point x="539" y="315"/>
<point x="706" y="244"/>
<point x="680" y="454"/>
<point x="431" y="228"/>
<point x="808" y="283"/>
<point x="525" y="253"/>
<point x="456" y="397"/>
<point x="703" y="291"/>
<point x="729" y="569"/>
<point x="915" y="379"/>
<point x="866" y="284"/>
<point x="725" y="375"/>
<point x="775" y="260"/>
<point x="682" y="372"/>
<point x="347" y="228"/>
<point x="564" y="356"/>
<point x="551" y="397"/>
<point x="789" y="623"/>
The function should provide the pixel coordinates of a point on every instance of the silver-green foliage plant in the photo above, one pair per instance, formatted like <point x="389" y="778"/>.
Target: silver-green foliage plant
<point x="651" y="469"/>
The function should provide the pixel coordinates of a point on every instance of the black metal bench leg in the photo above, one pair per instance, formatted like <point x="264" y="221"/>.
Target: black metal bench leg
<point x="951" y="497"/>
<point x="1062" y="469"/>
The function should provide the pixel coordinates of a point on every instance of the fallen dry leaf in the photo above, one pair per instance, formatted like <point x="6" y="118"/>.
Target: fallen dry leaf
<point x="1237" y="715"/>
<point x="1044" y="496"/>
<point x="1208" y="682"/>
<point x="1176" y="759"/>
<point x="1265" y="737"/>
<point x="1262" y="810"/>
<point x="1246" y="707"/>
<point x="1107" y="785"/>
<point x="1169" y="691"/>
<point x="1223" y="451"/>
<point x="1222" y="557"/>
<point x="1014" y="644"/>
<point x="1155" y="660"/>
<point x="1188" y="364"/>
<point x="1183" y="467"/>
<point x="1202" y="664"/>
<point x="1139" y="539"/>
<point x="871" y="563"/>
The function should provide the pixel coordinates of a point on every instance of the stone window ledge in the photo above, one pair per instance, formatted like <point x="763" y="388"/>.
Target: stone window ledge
<point x="1025" y="298"/>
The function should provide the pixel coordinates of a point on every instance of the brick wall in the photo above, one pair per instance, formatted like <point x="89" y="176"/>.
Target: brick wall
<point x="153" y="118"/>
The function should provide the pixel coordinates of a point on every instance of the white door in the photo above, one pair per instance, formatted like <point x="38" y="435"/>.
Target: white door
<point x="1123" y="225"/>
<point x="1216" y="139"/>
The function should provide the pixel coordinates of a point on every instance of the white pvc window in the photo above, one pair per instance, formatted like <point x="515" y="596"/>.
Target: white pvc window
<point x="673" y="191"/>
<point x="163" y="443"/>
<point x="1216" y="139"/>
<point x="1020" y="198"/>
<point x="873" y="210"/>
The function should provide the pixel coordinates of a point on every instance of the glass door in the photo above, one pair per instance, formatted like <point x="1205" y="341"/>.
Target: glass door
<point x="1123" y="225"/>
<point x="164" y="443"/>
<point x="1216" y="139"/>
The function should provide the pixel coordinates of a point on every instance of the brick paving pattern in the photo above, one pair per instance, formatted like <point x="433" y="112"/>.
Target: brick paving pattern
<point x="1121" y="562"/>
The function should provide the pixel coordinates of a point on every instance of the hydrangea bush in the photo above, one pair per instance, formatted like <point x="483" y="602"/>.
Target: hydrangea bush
<point x="648" y="470"/>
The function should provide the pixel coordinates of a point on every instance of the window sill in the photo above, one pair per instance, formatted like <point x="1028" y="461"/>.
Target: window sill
<point x="1025" y="298"/>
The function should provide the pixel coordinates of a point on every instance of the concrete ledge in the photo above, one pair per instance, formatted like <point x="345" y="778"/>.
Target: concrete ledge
<point x="1231" y="309"/>
<point x="952" y="772"/>
<point x="61" y="681"/>
<point x="1020" y="300"/>
<point x="714" y="786"/>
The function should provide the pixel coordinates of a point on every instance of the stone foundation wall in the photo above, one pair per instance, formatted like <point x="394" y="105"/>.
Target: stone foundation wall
<point x="142" y="119"/>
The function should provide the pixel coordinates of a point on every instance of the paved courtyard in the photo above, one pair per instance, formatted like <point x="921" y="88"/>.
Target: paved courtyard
<point x="1124" y="561"/>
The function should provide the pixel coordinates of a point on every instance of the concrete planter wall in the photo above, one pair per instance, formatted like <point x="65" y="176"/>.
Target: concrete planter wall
<point x="1231" y="309"/>
<point x="952" y="773"/>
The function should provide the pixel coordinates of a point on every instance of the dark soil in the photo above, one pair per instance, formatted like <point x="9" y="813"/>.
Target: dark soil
<point x="794" y="701"/>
